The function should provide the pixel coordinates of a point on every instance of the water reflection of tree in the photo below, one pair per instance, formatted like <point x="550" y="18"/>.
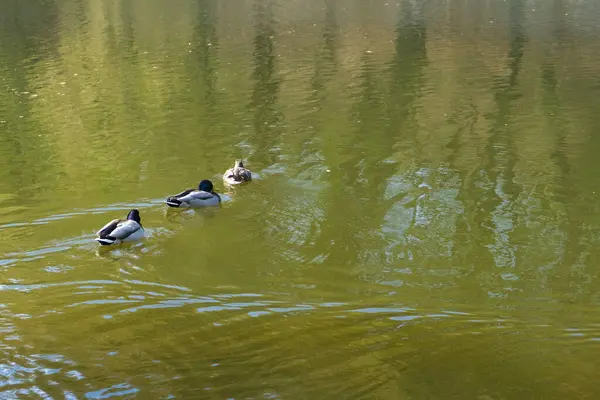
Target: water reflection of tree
<point x="570" y="206"/>
<point x="491" y="217"/>
<point x="204" y="60"/>
<point x="264" y="100"/>
<point x="326" y="56"/>
<point x="356" y="201"/>
<point x="320" y="103"/>
<point x="130" y="71"/>
<point x="406" y="80"/>
<point x="121" y="44"/>
<point x="28" y="35"/>
<point x="410" y="57"/>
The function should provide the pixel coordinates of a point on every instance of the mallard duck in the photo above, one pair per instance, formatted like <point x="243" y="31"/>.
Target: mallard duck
<point x="121" y="230"/>
<point x="201" y="197"/>
<point x="238" y="174"/>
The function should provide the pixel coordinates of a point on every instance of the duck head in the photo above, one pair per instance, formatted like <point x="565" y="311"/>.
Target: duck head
<point x="206" y="186"/>
<point x="134" y="215"/>
<point x="236" y="169"/>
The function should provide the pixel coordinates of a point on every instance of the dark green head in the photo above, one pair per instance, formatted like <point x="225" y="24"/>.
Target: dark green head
<point x="206" y="186"/>
<point x="134" y="215"/>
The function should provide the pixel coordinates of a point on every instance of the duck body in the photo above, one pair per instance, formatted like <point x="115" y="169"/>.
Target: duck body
<point x="122" y="230"/>
<point x="193" y="198"/>
<point x="238" y="174"/>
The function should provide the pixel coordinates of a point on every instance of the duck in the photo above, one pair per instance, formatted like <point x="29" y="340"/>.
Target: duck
<point x="238" y="174"/>
<point x="121" y="230"/>
<point x="201" y="197"/>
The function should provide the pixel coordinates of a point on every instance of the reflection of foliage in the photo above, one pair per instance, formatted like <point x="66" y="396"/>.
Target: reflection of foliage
<point x="368" y="150"/>
<point x="431" y="151"/>
<point x="499" y="141"/>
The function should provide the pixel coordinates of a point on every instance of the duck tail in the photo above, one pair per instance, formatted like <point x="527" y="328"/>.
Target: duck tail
<point x="106" y="241"/>
<point x="173" y="202"/>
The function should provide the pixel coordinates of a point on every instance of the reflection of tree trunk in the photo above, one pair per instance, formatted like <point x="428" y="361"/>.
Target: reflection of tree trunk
<point x="80" y="12"/>
<point x="127" y="36"/>
<point x="321" y="107"/>
<point x="266" y="82"/>
<point x="124" y="44"/>
<point x="325" y="60"/>
<point x="204" y="61"/>
<point x="406" y="68"/>
<point x="468" y="229"/>
<point x="379" y="131"/>
<point x="356" y="207"/>
<point x="579" y="241"/>
<point x="324" y="74"/>
<point x="501" y="157"/>
<point x="330" y="33"/>
<point x="488" y="196"/>
<point x="205" y="38"/>
<point x="406" y="80"/>
<point x="494" y="215"/>
<point x="551" y="103"/>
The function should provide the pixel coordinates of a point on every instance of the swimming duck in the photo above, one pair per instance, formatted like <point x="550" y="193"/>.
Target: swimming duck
<point x="121" y="230"/>
<point x="203" y="196"/>
<point x="238" y="174"/>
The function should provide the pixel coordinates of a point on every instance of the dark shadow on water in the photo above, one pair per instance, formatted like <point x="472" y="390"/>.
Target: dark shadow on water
<point x="29" y="31"/>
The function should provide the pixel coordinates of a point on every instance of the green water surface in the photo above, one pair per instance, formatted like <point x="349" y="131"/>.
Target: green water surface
<point x="424" y="222"/>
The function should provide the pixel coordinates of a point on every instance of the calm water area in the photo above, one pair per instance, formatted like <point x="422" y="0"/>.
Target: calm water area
<point x="424" y="222"/>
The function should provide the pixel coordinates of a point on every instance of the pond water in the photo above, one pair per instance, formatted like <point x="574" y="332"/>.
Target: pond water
<point x="424" y="222"/>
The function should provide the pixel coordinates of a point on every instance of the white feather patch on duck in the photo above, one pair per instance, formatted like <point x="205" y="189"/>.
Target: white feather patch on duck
<point x="121" y="230"/>
<point x="201" y="197"/>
